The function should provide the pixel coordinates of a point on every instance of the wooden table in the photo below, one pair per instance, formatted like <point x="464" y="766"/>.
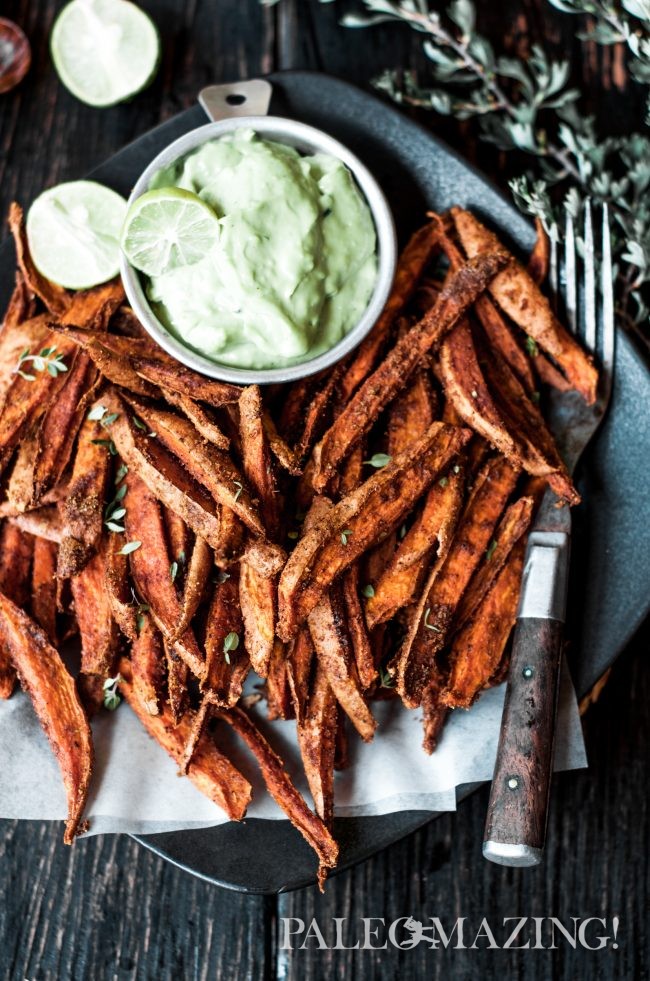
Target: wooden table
<point x="109" y="909"/>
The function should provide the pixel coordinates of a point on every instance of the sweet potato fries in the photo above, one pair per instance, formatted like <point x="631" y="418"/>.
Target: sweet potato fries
<point x="356" y="536"/>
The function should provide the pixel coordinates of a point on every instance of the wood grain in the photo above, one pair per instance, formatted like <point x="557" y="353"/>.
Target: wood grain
<point x="518" y="803"/>
<point x="108" y="909"/>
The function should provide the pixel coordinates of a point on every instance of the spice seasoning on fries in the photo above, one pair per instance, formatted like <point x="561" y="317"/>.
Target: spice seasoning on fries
<point x="352" y="537"/>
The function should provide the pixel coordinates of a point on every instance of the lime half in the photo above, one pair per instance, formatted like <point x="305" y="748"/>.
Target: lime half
<point x="168" y="228"/>
<point x="104" y="51"/>
<point x="73" y="232"/>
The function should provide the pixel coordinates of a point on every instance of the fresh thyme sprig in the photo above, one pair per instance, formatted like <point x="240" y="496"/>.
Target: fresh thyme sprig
<point x="527" y="105"/>
<point x="45" y="360"/>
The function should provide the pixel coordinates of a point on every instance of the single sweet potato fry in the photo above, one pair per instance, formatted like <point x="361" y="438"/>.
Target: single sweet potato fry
<point x="478" y="647"/>
<point x="55" y="298"/>
<point x="300" y="658"/>
<point x="432" y="617"/>
<point x="150" y="568"/>
<point x="42" y="522"/>
<point x="82" y="508"/>
<point x="521" y="299"/>
<point x="177" y="678"/>
<point x="57" y="705"/>
<point x="278" y="693"/>
<point x="258" y="598"/>
<point x="122" y="601"/>
<point x="148" y="666"/>
<point x="209" y="770"/>
<point x="16" y="549"/>
<point x="434" y="714"/>
<point x="334" y="652"/>
<point x="380" y="388"/>
<point x="227" y="664"/>
<point x="257" y="461"/>
<point x="94" y="615"/>
<point x="43" y="607"/>
<point x="317" y="741"/>
<point x="282" y="789"/>
<point x="199" y="417"/>
<point x="410" y="267"/>
<point x="356" y="622"/>
<point x="195" y="581"/>
<point x="286" y="457"/>
<point x="539" y="258"/>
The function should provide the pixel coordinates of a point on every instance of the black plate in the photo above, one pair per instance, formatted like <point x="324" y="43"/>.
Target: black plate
<point x="610" y="588"/>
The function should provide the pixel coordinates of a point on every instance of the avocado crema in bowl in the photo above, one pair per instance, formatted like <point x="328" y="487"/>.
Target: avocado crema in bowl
<point x="302" y="261"/>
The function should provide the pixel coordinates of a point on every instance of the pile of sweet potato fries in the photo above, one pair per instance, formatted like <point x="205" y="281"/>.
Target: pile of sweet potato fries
<point x="354" y="536"/>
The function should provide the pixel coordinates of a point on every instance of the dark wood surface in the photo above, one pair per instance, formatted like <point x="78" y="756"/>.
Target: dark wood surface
<point x="108" y="908"/>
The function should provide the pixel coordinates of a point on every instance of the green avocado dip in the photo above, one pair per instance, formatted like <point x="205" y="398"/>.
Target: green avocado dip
<point x="294" y="264"/>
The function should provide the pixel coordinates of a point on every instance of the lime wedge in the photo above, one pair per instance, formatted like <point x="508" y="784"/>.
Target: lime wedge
<point x="168" y="228"/>
<point x="73" y="232"/>
<point x="104" y="51"/>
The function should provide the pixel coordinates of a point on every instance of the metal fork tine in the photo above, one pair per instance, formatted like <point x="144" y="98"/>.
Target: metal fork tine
<point x="607" y="286"/>
<point x="571" y="298"/>
<point x="590" y="281"/>
<point x="553" y="274"/>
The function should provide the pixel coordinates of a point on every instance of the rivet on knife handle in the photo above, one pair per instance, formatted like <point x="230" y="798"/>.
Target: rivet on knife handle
<point x="251" y="98"/>
<point x="515" y="829"/>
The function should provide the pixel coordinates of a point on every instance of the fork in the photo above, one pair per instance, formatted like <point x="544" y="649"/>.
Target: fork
<point x="515" y="828"/>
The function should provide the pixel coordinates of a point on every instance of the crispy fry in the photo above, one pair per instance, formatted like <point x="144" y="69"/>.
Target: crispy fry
<point x="21" y="304"/>
<point x="411" y="413"/>
<point x="392" y="375"/>
<point x="356" y="622"/>
<point x="154" y="366"/>
<point x="433" y="615"/>
<point x="177" y="677"/>
<point x="16" y="549"/>
<point x="82" y="508"/>
<point x="179" y="537"/>
<point x="118" y="590"/>
<point x="257" y="460"/>
<point x="478" y="648"/>
<point x="55" y="298"/>
<point x="434" y="714"/>
<point x="299" y="664"/>
<point x="210" y="771"/>
<point x="538" y="454"/>
<point x="258" y="572"/>
<point x="43" y="522"/>
<point x="317" y="741"/>
<point x="359" y="520"/>
<point x="226" y="669"/>
<point x="94" y="615"/>
<point x="282" y="789"/>
<point x="199" y="417"/>
<point x="282" y="452"/>
<point x="147" y="666"/>
<point x="164" y="475"/>
<point x="194" y="585"/>
<point x="334" y="651"/>
<point x="432" y="529"/>
<point x="538" y="261"/>
<point x="16" y="338"/>
<point x="56" y="703"/>
<point x="150" y="567"/>
<point x="209" y="466"/>
<point x="520" y="298"/>
<point x="410" y="267"/>
<point x="512" y="527"/>
<point x="278" y="693"/>
<point x="43" y="606"/>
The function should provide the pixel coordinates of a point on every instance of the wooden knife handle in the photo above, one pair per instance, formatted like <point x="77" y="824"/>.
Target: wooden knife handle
<point x="516" y="821"/>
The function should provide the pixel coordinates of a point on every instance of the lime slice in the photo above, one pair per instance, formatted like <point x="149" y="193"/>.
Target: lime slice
<point x="73" y="232"/>
<point x="104" y="51"/>
<point x="168" y="228"/>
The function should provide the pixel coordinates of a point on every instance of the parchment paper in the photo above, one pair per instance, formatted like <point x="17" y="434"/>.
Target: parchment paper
<point x="136" y="787"/>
